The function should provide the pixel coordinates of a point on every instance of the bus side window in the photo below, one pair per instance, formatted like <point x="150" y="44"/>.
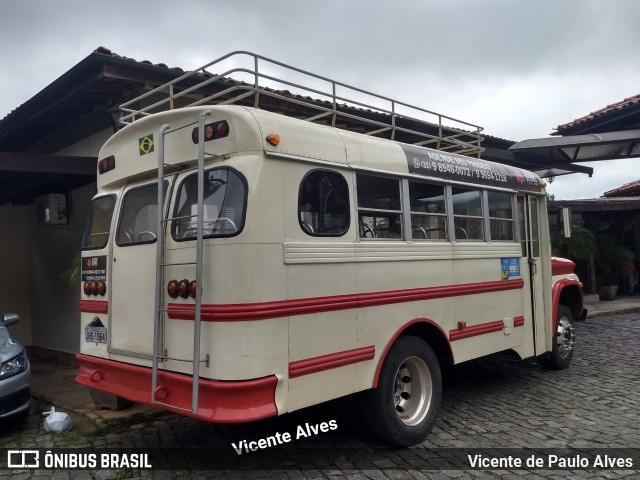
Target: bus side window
<point x="428" y="211"/>
<point x="379" y="207"/>
<point x="323" y="204"/>
<point x="501" y="219"/>
<point x="467" y="214"/>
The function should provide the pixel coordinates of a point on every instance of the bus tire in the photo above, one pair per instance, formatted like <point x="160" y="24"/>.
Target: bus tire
<point x="404" y="407"/>
<point x="563" y="340"/>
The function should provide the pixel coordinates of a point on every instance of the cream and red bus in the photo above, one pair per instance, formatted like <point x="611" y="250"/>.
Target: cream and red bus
<point x="240" y="264"/>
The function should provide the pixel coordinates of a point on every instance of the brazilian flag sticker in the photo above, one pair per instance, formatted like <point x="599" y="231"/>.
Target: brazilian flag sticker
<point x="145" y="144"/>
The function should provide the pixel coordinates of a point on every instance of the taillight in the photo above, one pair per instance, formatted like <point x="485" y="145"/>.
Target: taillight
<point x="172" y="288"/>
<point x="106" y="164"/>
<point x="101" y="288"/>
<point x="212" y="131"/>
<point x="183" y="288"/>
<point x="87" y="288"/>
<point x="93" y="288"/>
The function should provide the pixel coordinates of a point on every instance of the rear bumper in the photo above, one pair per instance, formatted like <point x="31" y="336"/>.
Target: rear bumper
<point x="219" y="401"/>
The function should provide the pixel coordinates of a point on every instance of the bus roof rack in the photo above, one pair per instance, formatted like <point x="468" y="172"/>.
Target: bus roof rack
<point x="270" y="85"/>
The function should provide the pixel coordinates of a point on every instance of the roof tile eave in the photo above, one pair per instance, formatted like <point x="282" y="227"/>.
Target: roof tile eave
<point x="609" y="109"/>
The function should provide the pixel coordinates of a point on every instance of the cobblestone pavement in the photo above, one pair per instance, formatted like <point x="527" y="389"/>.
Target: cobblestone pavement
<point x="492" y="403"/>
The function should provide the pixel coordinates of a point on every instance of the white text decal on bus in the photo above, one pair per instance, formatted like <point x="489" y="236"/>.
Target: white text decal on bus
<point x="449" y="166"/>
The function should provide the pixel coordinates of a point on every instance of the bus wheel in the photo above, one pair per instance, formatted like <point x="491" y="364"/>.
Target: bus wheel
<point x="404" y="407"/>
<point x="562" y="344"/>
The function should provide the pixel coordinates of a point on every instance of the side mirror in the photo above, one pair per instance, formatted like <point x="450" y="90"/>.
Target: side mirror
<point x="10" y="319"/>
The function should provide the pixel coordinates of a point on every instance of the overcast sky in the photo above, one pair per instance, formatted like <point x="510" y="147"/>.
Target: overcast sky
<point x="518" y="68"/>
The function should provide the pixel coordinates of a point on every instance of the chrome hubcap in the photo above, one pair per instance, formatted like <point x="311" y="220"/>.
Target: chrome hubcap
<point x="565" y="337"/>
<point x="412" y="391"/>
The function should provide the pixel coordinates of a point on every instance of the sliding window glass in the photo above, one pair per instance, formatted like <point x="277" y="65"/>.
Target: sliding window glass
<point x="379" y="207"/>
<point x="501" y="216"/>
<point x="428" y="213"/>
<point x="467" y="214"/>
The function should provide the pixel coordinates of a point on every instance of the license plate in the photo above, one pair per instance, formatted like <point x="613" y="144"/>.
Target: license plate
<point x="95" y="334"/>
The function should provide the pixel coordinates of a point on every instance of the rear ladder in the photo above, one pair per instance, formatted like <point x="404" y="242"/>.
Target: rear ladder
<point x="159" y="352"/>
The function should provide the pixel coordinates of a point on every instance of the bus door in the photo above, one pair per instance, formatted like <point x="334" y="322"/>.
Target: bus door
<point x="528" y="212"/>
<point x="133" y="276"/>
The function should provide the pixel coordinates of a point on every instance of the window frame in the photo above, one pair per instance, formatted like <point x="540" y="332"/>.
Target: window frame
<point x="86" y="234"/>
<point x="348" y="204"/>
<point x="512" y="220"/>
<point x="401" y="212"/>
<point x="482" y="217"/>
<point x="176" y="202"/>
<point x="409" y="213"/>
<point x="121" y="210"/>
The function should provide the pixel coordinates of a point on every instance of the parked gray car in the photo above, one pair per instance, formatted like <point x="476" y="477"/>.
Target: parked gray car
<point x="15" y="373"/>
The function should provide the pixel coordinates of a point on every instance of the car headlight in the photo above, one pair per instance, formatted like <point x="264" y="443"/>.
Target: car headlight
<point x="14" y="366"/>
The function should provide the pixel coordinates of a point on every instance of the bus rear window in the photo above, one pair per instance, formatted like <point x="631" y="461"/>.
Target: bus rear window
<point x="139" y="215"/>
<point x="225" y="197"/>
<point x="96" y="233"/>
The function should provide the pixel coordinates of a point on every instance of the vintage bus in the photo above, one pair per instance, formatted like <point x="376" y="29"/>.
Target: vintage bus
<point x="240" y="264"/>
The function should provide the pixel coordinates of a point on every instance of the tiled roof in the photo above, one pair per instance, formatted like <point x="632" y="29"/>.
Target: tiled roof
<point x="626" y="190"/>
<point x="614" y="107"/>
<point x="106" y="51"/>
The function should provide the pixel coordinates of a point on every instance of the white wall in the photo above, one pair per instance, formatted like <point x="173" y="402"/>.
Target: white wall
<point x="55" y="320"/>
<point x="54" y="305"/>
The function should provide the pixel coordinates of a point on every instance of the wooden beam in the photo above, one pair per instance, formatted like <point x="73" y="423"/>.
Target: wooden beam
<point x="43" y="163"/>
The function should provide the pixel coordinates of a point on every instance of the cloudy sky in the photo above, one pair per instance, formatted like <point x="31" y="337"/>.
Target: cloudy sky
<point x="518" y="68"/>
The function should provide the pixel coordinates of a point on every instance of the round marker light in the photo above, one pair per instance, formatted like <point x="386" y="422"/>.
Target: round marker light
<point x="195" y="134"/>
<point x="87" y="288"/>
<point x="183" y="288"/>
<point x="273" y="139"/>
<point x="94" y="288"/>
<point x="193" y="289"/>
<point x="172" y="289"/>
<point x="208" y="132"/>
<point x="101" y="288"/>
<point x="222" y="129"/>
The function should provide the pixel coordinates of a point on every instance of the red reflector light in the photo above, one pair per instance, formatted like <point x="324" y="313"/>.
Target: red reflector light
<point x="93" y="288"/>
<point x="172" y="289"/>
<point x="222" y="130"/>
<point x="212" y="131"/>
<point x="183" y="288"/>
<point x="193" y="289"/>
<point x="87" y="288"/>
<point x="101" y="288"/>
<point x="106" y="164"/>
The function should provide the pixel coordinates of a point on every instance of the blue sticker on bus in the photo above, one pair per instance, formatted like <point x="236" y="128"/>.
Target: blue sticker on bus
<point x="509" y="267"/>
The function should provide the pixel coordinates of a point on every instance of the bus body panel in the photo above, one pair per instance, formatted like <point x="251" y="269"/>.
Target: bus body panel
<point x="314" y="313"/>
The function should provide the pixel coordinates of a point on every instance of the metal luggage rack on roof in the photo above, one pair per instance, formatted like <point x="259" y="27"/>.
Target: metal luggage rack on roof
<point x="318" y="101"/>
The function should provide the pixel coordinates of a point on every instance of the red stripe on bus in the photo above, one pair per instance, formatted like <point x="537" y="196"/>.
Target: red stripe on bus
<point x="475" y="330"/>
<point x="218" y="401"/>
<point x="330" y="361"/>
<point x="93" y="306"/>
<point x="518" y="321"/>
<point x="302" y="306"/>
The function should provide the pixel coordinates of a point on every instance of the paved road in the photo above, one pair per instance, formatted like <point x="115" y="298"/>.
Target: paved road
<point x="493" y="403"/>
